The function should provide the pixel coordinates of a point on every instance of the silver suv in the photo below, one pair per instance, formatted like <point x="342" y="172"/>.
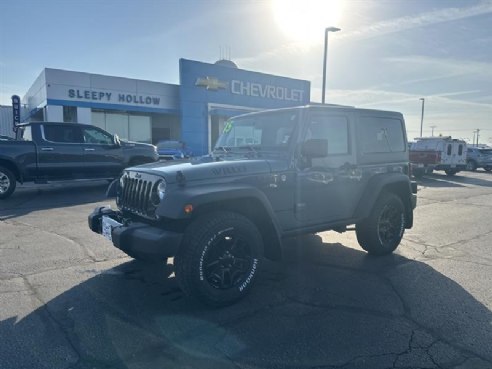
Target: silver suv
<point x="479" y="157"/>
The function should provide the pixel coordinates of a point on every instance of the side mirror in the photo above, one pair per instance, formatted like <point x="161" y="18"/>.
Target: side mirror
<point x="315" y="148"/>
<point x="116" y="140"/>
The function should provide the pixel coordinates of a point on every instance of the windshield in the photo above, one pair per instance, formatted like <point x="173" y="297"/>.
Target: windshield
<point x="271" y="131"/>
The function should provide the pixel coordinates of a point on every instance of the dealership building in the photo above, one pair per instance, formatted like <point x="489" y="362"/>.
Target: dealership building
<point x="193" y="111"/>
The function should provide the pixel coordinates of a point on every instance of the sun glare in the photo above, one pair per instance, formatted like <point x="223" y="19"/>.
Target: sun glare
<point x="305" y="20"/>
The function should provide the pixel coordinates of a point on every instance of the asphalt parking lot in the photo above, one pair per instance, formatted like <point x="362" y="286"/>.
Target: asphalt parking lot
<point x="68" y="299"/>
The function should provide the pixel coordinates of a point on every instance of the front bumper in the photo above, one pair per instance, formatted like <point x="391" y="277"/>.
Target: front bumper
<point x="136" y="237"/>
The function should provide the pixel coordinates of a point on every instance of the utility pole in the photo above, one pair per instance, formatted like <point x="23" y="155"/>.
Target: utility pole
<point x="478" y="134"/>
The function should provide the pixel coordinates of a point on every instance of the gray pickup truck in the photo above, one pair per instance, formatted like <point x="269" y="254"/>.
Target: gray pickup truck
<point x="272" y="175"/>
<point x="61" y="151"/>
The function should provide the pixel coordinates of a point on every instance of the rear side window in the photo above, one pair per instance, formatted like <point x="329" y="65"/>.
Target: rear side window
<point x="68" y="133"/>
<point x="450" y="148"/>
<point x="381" y="135"/>
<point x="460" y="150"/>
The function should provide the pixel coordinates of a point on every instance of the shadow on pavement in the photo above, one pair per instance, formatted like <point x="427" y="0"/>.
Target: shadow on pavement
<point x="41" y="197"/>
<point x="324" y="306"/>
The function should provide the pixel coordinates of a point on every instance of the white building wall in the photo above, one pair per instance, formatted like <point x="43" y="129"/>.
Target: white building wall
<point x="54" y="113"/>
<point x="85" y="88"/>
<point x="84" y="115"/>
<point x="36" y="95"/>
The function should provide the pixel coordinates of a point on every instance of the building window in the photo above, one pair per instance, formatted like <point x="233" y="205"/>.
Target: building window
<point x="126" y="126"/>
<point x="70" y="114"/>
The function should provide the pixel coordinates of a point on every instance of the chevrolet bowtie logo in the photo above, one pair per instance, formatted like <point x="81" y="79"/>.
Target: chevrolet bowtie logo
<point x="210" y="83"/>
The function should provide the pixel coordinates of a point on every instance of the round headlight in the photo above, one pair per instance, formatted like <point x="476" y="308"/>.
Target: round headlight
<point x="161" y="189"/>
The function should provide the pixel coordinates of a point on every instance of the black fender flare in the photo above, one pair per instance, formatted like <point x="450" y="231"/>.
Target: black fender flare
<point x="397" y="183"/>
<point x="244" y="199"/>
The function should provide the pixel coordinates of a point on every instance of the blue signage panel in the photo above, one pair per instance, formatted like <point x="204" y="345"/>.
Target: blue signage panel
<point x="204" y="85"/>
<point x="16" y="108"/>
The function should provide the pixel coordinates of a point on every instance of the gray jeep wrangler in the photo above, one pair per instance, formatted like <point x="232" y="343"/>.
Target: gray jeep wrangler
<point x="272" y="174"/>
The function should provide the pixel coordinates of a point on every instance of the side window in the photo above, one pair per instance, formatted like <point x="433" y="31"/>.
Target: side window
<point x="332" y="128"/>
<point x="381" y="135"/>
<point x="68" y="133"/>
<point x="450" y="148"/>
<point x="95" y="136"/>
<point x="460" y="150"/>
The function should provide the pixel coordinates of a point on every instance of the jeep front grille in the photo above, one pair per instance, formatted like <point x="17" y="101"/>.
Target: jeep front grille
<point x="136" y="195"/>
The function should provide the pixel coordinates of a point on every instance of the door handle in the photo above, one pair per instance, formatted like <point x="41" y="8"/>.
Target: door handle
<point x="89" y="149"/>
<point x="324" y="178"/>
<point x="47" y="149"/>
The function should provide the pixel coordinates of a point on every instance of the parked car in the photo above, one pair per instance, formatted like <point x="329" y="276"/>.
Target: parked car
<point x="60" y="151"/>
<point x="172" y="150"/>
<point x="437" y="153"/>
<point x="479" y="157"/>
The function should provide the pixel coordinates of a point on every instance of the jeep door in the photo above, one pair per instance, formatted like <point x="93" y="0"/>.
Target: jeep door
<point x="328" y="188"/>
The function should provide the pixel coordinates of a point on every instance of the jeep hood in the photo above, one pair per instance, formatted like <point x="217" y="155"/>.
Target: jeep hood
<point x="205" y="168"/>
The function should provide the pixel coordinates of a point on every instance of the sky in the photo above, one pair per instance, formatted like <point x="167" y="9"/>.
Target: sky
<point x="388" y="54"/>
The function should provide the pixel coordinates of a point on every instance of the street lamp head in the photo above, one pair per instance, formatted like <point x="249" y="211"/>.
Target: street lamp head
<point x="422" y="99"/>
<point x="332" y="29"/>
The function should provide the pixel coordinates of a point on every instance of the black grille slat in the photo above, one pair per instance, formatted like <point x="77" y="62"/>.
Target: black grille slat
<point x="146" y="196"/>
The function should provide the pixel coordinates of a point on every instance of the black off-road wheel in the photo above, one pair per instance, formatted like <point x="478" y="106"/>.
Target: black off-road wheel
<point x="487" y="169"/>
<point x="382" y="231"/>
<point x="7" y="183"/>
<point x="219" y="257"/>
<point x="450" y="172"/>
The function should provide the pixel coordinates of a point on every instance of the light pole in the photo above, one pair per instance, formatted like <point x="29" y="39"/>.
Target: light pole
<point x="329" y="29"/>
<point x="422" y="116"/>
<point x="432" y="127"/>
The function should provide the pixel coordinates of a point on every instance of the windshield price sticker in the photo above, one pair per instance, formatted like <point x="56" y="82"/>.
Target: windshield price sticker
<point x="227" y="127"/>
